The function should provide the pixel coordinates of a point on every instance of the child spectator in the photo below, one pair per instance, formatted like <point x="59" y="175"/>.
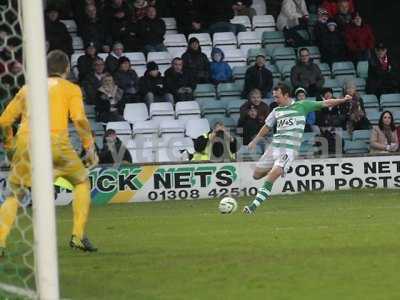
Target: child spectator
<point x="220" y="70"/>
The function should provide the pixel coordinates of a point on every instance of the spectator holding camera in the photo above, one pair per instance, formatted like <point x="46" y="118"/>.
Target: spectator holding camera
<point x="217" y="145"/>
<point x="384" y="136"/>
<point x="252" y="116"/>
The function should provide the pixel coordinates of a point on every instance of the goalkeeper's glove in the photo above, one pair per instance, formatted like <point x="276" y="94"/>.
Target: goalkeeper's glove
<point x="91" y="159"/>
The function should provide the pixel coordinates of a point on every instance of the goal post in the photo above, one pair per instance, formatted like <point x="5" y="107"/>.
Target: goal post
<point x="45" y="244"/>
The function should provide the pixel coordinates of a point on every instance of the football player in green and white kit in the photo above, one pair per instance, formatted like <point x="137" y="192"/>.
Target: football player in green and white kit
<point x="290" y="119"/>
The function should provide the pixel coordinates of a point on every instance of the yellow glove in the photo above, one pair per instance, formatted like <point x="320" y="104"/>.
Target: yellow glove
<point x="91" y="158"/>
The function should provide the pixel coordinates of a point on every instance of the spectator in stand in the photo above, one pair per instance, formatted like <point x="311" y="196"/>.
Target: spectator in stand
<point x="93" y="30"/>
<point x="360" y="39"/>
<point x="252" y="115"/>
<point x="187" y="15"/>
<point x="92" y="82"/>
<point x="118" y="23"/>
<point x="293" y="17"/>
<point x="130" y="36"/>
<point x="86" y="61"/>
<point x="354" y="111"/>
<point x="333" y="45"/>
<point x="343" y="17"/>
<point x="113" y="151"/>
<point x="56" y="32"/>
<point x="384" y="136"/>
<point x="382" y="76"/>
<point x="127" y="80"/>
<point x="162" y="6"/>
<point x="112" y="60"/>
<point x="300" y="94"/>
<point x="179" y="82"/>
<point x="307" y="74"/>
<point x="329" y="117"/>
<point x="151" y="31"/>
<point x="258" y="77"/>
<point x="14" y="79"/>
<point x="140" y="9"/>
<point x="320" y="29"/>
<point x="151" y="86"/>
<point x="109" y="105"/>
<point x="114" y="7"/>
<point x="243" y="8"/>
<point x="331" y="7"/>
<point x="196" y="62"/>
<point x="220" y="70"/>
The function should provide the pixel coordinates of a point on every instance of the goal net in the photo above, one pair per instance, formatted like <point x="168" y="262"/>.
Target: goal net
<point x="23" y="270"/>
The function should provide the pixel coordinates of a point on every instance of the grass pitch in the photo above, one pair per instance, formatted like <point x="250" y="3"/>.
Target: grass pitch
<point x="342" y="245"/>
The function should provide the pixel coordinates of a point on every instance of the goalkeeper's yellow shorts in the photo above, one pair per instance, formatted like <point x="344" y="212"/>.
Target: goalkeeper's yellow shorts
<point x="66" y="162"/>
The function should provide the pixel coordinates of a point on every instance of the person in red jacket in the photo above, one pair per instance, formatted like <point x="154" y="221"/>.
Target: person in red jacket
<point x="331" y="7"/>
<point x="360" y="39"/>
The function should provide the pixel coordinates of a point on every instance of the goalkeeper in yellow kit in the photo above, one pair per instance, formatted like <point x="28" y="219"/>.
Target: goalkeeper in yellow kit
<point x="65" y="102"/>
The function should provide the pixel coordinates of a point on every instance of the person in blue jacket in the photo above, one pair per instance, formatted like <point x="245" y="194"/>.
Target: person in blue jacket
<point x="220" y="70"/>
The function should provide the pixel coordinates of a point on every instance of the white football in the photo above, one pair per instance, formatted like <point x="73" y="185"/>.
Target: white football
<point x="227" y="205"/>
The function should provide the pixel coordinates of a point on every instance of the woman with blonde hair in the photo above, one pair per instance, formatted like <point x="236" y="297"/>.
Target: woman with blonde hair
<point x="384" y="136"/>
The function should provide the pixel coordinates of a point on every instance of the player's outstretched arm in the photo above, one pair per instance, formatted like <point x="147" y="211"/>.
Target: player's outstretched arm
<point x="260" y="135"/>
<point x="336" y="102"/>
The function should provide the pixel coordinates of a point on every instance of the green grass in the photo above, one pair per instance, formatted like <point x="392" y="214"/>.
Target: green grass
<point x="342" y="245"/>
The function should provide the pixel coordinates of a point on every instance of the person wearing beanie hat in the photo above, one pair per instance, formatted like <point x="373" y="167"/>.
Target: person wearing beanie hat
<point x="333" y="45"/>
<point x="360" y="39"/>
<point x="56" y="32"/>
<point x="320" y="28"/>
<point x="196" y="63"/>
<point x="86" y="61"/>
<point x="127" y="80"/>
<point x="151" y="86"/>
<point x="112" y="60"/>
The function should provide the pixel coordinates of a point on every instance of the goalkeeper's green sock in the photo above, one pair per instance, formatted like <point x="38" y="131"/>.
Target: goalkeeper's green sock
<point x="263" y="194"/>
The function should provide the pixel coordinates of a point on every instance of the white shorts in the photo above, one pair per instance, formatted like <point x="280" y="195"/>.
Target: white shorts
<point x="276" y="157"/>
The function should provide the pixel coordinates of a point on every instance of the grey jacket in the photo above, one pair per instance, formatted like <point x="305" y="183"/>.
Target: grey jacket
<point x="306" y="75"/>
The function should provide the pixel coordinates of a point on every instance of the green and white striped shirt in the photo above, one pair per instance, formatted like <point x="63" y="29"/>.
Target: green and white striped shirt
<point x="290" y="122"/>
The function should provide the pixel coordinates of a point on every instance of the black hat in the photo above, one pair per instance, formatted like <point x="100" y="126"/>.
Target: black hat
<point x="90" y="44"/>
<point x="193" y="40"/>
<point x="151" y="66"/>
<point x="380" y="45"/>
<point x="326" y="90"/>
<point x="123" y="59"/>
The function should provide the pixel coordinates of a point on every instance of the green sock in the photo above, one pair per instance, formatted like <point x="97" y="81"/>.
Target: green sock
<point x="263" y="194"/>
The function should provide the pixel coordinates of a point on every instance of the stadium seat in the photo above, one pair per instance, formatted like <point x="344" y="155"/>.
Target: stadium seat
<point x="273" y="37"/>
<point x="90" y="111"/>
<point x="362" y="69"/>
<point x="170" y="24"/>
<point x="175" y="40"/>
<point x="355" y="147"/>
<point x="140" y="70"/>
<point x="134" y="112"/>
<point x="213" y="107"/>
<point x="103" y="56"/>
<point x="71" y="26"/>
<point x="176" y="51"/>
<point x="228" y="122"/>
<point x="325" y="70"/>
<point x="283" y="53"/>
<point x="205" y="90"/>
<point x="359" y="82"/>
<point x="370" y="101"/>
<point x="333" y="84"/>
<point x="243" y="20"/>
<point x="235" y="57"/>
<point x="259" y="7"/>
<point x="97" y="127"/>
<point x="141" y="149"/>
<point x="314" y="53"/>
<point x="204" y="39"/>
<point x="161" y="111"/>
<point x="248" y="40"/>
<point x="161" y="58"/>
<point x="361" y="135"/>
<point x="145" y="128"/>
<point x="77" y="43"/>
<point x="185" y="110"/>
<point x="229" y="90"/>
<point x="239" y="72"/>
<point x="136" y="58"/>
<point x="224" y="39"/>
<point x="373" y="115"/>
<point x="233" y="108"/>
<point x="254" y="52"/>
<point x="172" y="128"/>
<point x="174" y="150"/>
<point x="120" y="127"/>
<point x="285" y="68"/>
<point x="343" y="68"/>
<point x="196" y="127"/>
<point x="396" y="116"/>
<point x="389" y="101"/>
<point x="263" y="23"/>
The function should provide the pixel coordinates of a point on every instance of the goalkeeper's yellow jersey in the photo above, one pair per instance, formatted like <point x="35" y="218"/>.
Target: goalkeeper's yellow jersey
<point x="65" y="102"/>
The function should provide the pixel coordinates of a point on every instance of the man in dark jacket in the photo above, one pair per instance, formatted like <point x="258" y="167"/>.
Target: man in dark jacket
<point x="92" y="82"/>
<point x="127" y="80"/>
<point x="252" y="116"/>
<point x="151" y="86"/>
<point x="178" y="82"/>
<point x="86" y="61"/>
<point x="187" y="15"/>
<point x="196" y="63"/>
<point x="112" y="60"/>
<point x="258" y="77"/>
<point x="113" y="151"/>
<point x="56" y="32"/>
<point x="151" y="31"/>
<point x="333" y="45"/>
<point x="307" y="74"/>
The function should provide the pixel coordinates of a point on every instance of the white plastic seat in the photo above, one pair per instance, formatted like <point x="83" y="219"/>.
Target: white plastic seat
<point x="161" y="58"/>
<point x="243" y="20"/>
<point x="71" y="25"/>
<point x="141" y="128"/>
<point x="175" y="40"/>
<point x="224" y="38"/>
<point x="175" y="127"/>
<point x="187" y="108"/>
<point x="161" y="109"/>
<point x="136" y="58"/>
<point x="103" y="56"/>
<point x="263" y="23"/>
<point x="248" y="40"/>
<point x="140" y="70"/>
<point x="77" y="43"/>
<point x="176" y="51"/>
<point x="134" y="112"/>
<point x="235" y="57"/>
<point x="170" y="25"/>
<point x="259" y="6"/>
<point x="120" y="127"/>
<point x="196" y="127"/>
<point x="204" y="38"/>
